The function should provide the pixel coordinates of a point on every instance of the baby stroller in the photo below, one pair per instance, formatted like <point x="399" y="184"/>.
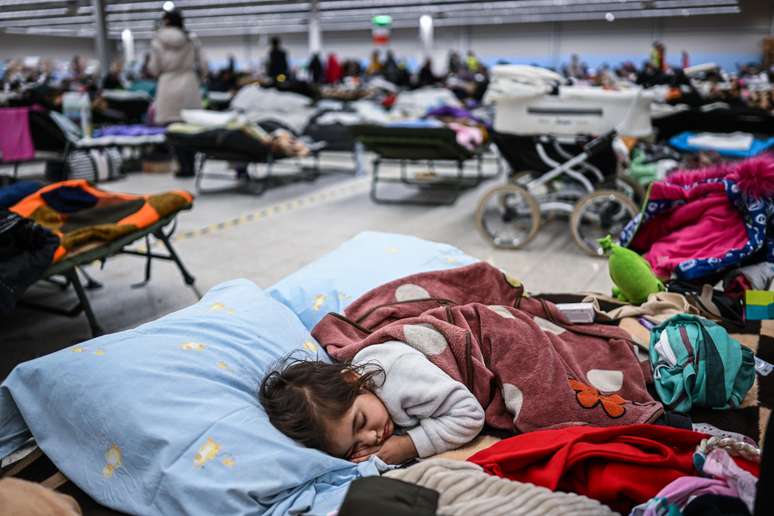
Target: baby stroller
<point x="541" y="130"/>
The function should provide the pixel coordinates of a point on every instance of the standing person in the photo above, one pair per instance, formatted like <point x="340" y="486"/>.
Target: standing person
<point x="658" y="56"/>
<point x="685" y="60"/>
<point x="374" y="66"/>
<point x="316" y="68"/>
<point x="472" y="62"/>
<point x="76" y="68"/>
<point x="333" y="72"/>
<point x="426" y="76"/>
<point x="278" y="61"/>
<point x="576" y="69"/>
<point x="455" y="63"/>
<point x="390" y="69"/>
<point x="176" y="61"/>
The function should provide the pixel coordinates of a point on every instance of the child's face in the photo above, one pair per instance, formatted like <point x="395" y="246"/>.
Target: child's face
<point x="362" y="429"/>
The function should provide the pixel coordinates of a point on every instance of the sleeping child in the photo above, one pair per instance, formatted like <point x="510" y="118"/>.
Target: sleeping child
<point x="389" y="401"/>
<point x="457" y="348"/>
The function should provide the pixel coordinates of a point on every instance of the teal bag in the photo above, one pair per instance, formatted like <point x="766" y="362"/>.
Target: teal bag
<point x="696" y="363"/>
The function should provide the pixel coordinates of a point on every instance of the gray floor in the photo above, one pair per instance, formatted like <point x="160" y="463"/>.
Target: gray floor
<point x="291" y="226"/>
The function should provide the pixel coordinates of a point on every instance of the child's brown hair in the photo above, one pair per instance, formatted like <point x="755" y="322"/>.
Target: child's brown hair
<point x="300" y="395"/>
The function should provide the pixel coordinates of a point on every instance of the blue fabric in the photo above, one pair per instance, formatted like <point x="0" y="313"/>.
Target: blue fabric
<point x="15" y="192"/>
<point x="130" y="130"/>
<point x="69" y="199"/>
<point x="417" y="124"/>
<point x="680" y="142"/>
<point x="758" y="313"/>
<point x="366" y="261"/>
<point x="164" y="418"/>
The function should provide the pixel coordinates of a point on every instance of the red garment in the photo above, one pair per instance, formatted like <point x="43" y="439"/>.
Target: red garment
<point x="621" y="466"/>
<point x="333" y="72"/>
<point x="736" y="287"/>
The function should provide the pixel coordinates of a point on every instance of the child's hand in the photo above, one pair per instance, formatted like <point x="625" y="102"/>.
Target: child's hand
<point x="397" y="450"/>
<point x="362" y="454"/>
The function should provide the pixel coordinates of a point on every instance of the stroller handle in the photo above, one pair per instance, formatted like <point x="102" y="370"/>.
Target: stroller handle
<point x="600" y="143"/>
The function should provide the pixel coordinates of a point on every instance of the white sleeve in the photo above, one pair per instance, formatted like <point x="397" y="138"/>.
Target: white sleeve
<point x="442" y="412"/>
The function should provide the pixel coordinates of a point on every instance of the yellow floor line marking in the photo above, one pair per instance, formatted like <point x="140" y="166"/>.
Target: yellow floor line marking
<point x="334" y="193"/>
<point x="282" y="207"/>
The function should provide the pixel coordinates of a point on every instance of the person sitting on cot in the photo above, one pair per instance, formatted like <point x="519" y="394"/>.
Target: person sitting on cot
<point x="390" y="401"/>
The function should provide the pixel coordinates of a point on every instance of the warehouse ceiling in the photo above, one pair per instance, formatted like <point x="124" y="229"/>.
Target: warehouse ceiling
<point x="240" y="17"/>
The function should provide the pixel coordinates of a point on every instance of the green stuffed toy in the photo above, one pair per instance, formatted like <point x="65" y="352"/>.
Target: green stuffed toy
<point x="634" y="279"/>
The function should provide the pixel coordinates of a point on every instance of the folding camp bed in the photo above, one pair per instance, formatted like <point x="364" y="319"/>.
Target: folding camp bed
<point x="69" y="267"/>
<point x="421" y="144"/>
<point x="337" y="137"/>
<point x="235" y="146"/>
<point x="57" y="139"/>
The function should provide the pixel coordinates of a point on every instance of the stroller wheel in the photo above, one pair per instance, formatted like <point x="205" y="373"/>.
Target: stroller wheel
<point x="627" y="185"/>
<point x="598" y="214"/>
<point x="508" y="216"/>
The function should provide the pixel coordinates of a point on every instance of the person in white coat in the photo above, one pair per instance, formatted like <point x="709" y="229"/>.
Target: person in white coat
<point x="176" y="60"/>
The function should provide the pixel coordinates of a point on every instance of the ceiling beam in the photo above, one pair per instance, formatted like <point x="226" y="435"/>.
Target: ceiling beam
<point x="276" y="16"/>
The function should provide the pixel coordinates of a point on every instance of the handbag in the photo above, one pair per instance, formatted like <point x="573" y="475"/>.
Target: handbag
<point x="382" y="496"/>
<point x="711" y="303"/>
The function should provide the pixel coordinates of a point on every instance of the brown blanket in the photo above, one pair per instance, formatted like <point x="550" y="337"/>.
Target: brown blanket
<point x="526" y="364"/>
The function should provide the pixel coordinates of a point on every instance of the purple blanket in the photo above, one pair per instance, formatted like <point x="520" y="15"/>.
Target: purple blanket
<point x="455" y="112"/>
<point x="129" y="130"/>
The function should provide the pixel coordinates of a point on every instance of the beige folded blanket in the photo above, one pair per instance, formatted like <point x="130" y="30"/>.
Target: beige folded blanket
<point x="467" y="490"/>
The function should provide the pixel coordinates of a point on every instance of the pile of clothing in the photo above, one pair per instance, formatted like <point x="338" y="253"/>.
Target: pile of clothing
<point x="472" y="131"/>
<point x="41" y="225"/>
<point x="701" y="222"/>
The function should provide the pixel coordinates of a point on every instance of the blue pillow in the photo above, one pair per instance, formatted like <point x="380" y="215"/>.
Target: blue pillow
<point x="366" y="261"/>
<point x="164" y="418"/>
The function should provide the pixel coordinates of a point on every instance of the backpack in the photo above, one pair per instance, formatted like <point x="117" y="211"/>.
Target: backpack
<point x="696" y="363"/>
<point x="26" y="251"/>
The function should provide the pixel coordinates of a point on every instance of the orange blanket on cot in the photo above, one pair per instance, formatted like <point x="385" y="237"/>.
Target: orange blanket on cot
<point x="81" y="214"/>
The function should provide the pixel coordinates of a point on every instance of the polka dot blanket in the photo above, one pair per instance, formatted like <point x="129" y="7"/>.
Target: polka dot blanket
<point x="528" y="366"/>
